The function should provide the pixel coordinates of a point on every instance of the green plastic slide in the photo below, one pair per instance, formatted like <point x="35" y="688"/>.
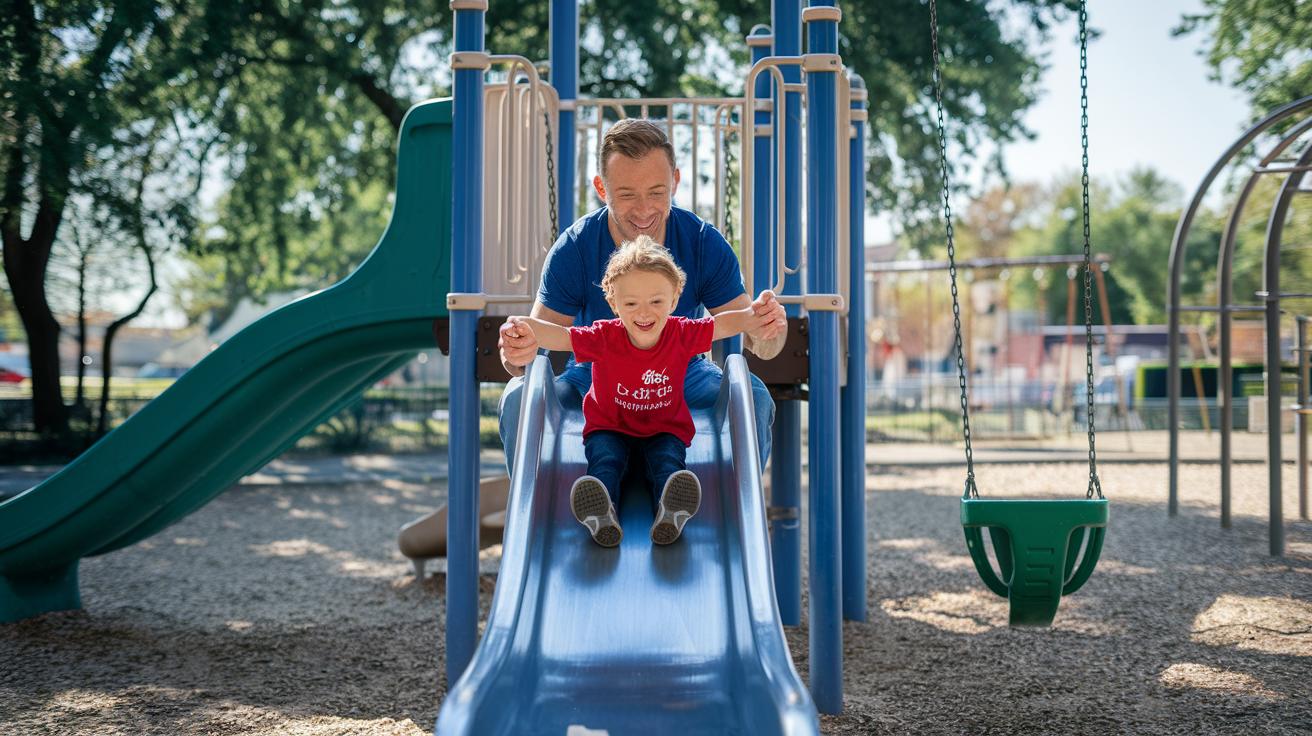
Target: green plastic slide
<point x="250" y="399"/>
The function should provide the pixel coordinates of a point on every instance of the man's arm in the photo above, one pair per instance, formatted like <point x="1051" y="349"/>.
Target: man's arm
<point x="519" y="351"/>
<point x="766" y="341"/>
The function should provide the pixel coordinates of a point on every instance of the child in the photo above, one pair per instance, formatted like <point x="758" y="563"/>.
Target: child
<point x="635" y="406"/>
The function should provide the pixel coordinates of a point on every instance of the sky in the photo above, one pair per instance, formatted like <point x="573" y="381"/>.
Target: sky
<point x="1150" y="100"/>
<point x="1151" y="103"/>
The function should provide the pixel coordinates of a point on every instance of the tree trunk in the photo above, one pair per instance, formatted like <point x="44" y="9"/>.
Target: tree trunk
<point x="83" y="257"/>
<point x="106" y="354"/>
<point x="25" y="266"/>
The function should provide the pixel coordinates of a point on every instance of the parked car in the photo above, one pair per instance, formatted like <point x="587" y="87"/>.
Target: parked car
<point x="14" y="368"/>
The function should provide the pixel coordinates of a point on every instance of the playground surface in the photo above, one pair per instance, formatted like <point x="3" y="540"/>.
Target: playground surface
<point x="283" y="607"/>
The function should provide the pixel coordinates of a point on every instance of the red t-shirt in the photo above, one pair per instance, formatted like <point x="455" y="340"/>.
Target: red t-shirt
<point x="634" y="391"/>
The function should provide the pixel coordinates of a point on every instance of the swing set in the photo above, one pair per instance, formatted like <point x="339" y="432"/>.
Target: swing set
<point x="1045" y="548"/>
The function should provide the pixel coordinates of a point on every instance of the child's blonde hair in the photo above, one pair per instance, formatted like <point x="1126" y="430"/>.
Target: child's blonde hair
<point x="642" y="254"/>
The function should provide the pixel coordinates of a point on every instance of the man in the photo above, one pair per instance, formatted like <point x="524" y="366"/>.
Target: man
<point x="637" y="182"/>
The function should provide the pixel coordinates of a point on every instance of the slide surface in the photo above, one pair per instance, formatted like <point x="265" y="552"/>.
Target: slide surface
<point x="249" y="399"/>
<point x="683" y="639"/>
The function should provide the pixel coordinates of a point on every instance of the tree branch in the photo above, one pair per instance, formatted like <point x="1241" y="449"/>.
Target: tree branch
<point x="382" y="99"/>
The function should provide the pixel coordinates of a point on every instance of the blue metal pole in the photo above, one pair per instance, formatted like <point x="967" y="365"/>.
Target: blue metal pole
<point x="565" y="78"/>
<point x="759" y="41"/>
<point x="854" y="394"/>
<point x="786" y="460"/>
<point x="825" y="615"/>
<point x="763" y="191"/>
<point x="466" y="277"/>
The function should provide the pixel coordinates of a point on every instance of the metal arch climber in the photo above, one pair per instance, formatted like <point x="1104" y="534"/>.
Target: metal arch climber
<point x="1289" y="125"/>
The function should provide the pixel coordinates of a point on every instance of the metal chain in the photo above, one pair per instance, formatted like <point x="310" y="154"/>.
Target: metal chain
<point x="730" y="191"/>
<point x="551" y="177"/>
<point x="971" y="490"/>
<point x="1095" y="487"/>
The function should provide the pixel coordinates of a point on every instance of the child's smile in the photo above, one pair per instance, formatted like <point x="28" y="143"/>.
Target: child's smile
<point x="643" y="300"/>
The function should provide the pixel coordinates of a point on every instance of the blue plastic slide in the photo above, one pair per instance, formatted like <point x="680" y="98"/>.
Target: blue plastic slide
<point x="682" y="640"/>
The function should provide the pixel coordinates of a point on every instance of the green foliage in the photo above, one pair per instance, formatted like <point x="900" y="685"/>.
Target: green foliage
<point x="1259" y="46"/>
<point x="85" y="90"/>
<point x="990" y="78"/>
<point x="307" y="97"/>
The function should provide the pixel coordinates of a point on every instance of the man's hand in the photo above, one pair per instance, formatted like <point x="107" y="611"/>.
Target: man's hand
<point x="767" y="339"/>
<point x="518" y="345"/>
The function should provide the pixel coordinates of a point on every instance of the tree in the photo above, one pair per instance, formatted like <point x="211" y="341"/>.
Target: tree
<point x="991" y="73"/>
<point x="1258" y="46"/>
<point x="71" y="269"/>
<point x="72" y="77"/>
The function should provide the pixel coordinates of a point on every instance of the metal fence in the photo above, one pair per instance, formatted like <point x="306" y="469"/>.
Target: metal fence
<point x="917" y="409"/>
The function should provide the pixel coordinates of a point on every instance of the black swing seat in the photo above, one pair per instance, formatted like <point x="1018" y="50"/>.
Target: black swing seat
<point x="1037" y="543"/>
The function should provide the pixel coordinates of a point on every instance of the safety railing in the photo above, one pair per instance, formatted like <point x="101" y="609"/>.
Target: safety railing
<point x="750" y="132"/>
<point x="519" y="134"/>
<point x="699" y="128"/>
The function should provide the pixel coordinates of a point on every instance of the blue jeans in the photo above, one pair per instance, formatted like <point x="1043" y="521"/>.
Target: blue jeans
<point x="609" y="453"/>
<point x="701" y="387"/>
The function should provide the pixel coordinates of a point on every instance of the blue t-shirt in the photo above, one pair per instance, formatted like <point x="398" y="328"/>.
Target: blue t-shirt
<point x="571" y="276"/>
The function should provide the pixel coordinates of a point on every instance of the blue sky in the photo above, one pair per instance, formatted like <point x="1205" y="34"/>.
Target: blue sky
<point x="1150" y="100"/>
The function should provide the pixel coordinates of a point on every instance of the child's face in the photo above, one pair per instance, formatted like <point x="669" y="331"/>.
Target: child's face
<point x="643" y="301"/>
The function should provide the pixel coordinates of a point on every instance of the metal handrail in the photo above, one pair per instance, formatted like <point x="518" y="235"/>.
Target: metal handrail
<point x="747" y="126"/>
<point x="747" y="142"/>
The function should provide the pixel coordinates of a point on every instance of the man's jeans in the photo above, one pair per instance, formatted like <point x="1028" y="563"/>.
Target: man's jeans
<point x="609" y="453"/>
<point x="701" y="387"/>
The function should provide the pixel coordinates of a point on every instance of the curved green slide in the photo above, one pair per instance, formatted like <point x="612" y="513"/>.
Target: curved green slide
<point x="250" y="399"/>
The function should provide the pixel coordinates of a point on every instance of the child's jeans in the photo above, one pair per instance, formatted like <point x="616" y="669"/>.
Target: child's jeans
<point x="608" y="457"/>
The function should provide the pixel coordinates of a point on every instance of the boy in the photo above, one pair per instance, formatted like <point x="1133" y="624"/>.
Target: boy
<point x="636" y="406"/>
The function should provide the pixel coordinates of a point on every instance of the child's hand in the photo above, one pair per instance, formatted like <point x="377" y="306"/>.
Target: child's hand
<point x="769" y="320"/>
<point x="517" y="341"/>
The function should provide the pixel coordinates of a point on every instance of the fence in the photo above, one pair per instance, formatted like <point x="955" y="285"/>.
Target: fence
<point x="410" y="419"/>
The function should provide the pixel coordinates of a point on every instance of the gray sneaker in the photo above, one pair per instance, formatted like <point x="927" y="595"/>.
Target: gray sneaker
<point x="680" y="499"/>
<point x="592" y="507"/>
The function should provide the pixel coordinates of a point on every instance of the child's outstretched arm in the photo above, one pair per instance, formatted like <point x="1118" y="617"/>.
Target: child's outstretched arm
<point x="546" y="334"/>
<point x="736" y="321"/>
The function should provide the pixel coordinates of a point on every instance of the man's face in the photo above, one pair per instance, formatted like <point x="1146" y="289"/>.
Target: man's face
<point x="638" y="192"/>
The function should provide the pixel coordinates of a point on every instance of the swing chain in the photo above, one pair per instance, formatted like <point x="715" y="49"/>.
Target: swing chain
<point x="971" y="491"/>
<point x="551" y="176"/>
<point x="1095" y="486"/>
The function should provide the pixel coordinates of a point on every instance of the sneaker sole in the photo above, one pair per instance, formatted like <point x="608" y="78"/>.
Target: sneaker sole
<point x="592" y="508"/>
<point x="679" y="502"/>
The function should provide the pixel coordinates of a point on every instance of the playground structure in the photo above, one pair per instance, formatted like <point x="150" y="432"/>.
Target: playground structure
<point x="1290" y="125"/>
<point x="521" y="633"/>
<point x="255" y="395"/>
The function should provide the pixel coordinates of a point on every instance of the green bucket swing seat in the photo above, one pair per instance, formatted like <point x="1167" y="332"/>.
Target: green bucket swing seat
<point x="1037" y="543"/>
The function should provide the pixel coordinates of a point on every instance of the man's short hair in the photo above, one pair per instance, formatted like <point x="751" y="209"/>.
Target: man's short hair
<point x="634" y="138"/>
